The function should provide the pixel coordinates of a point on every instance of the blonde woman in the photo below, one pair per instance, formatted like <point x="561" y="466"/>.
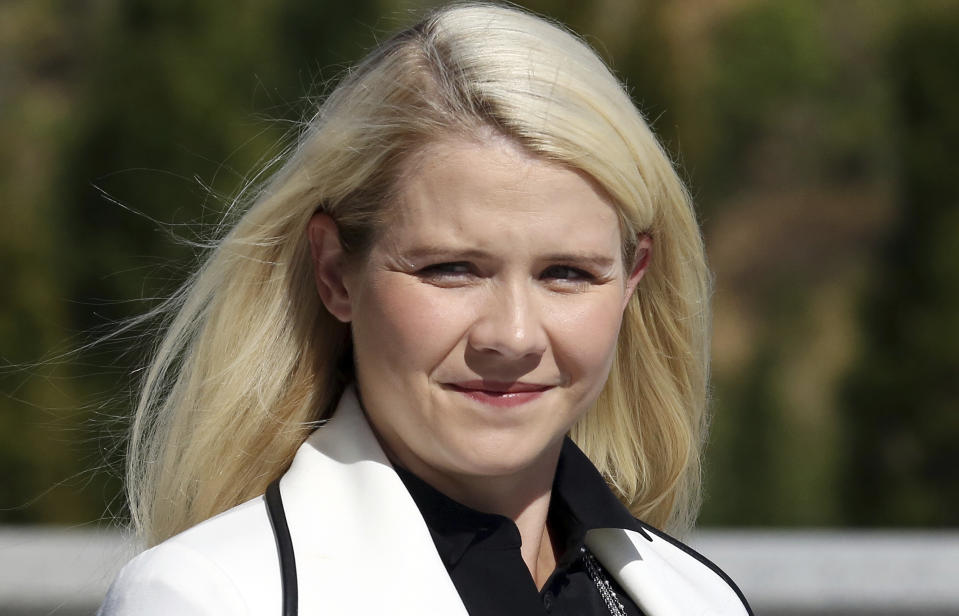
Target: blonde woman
<point x="443" y="359"/>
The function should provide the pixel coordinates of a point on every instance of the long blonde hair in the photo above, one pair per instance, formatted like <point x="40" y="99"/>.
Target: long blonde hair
<point x="251" y="360"/>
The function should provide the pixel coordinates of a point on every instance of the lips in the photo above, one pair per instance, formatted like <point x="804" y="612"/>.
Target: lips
<point x="500" y="387"/>
<point x="500" y="394"/>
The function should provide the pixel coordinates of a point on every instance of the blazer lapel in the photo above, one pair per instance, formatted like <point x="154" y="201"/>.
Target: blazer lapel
<point x="663" y="579"/>
<point x="361" y="545"/>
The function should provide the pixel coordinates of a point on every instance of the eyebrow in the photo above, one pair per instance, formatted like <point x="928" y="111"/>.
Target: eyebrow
<point x="599" y="261"/>
<point x="433" y="251"/>
<point x="596" y="260"/>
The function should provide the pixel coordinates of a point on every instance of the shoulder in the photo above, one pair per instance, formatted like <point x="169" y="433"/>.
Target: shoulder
<point x="664" y="575"/>
<point x="225" y="565"/>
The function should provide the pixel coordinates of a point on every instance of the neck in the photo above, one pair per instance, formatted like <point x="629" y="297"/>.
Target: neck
<point x="525" y="500"/>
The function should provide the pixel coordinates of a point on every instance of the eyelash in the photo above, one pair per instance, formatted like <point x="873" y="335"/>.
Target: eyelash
<point x="456" y="269"/>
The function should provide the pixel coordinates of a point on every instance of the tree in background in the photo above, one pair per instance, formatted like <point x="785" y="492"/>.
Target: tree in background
<point x="130" y="126"/>
<point x="134" y="124"/>
<point x="902" y="400"/>
<point x="788" y="152"/>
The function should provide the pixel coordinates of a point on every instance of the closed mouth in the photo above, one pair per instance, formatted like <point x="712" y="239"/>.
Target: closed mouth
<point x="498" y="387"/>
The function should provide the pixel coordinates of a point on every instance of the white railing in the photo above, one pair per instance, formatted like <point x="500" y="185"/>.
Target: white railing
<point x="67" y="571"/>
<point x="840" y="571"/>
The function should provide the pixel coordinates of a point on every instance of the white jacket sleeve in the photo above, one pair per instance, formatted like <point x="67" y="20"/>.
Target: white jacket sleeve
<point x="173" y="579"/>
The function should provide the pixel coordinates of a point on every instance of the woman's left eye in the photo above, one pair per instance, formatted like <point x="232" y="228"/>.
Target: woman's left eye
<point x="565" y="272"/>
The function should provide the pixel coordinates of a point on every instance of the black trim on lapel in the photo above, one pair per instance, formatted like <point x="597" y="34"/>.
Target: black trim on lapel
<point x="284" y="548"/>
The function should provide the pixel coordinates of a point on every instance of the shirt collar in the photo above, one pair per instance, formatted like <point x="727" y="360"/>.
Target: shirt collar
<point x="454" y="526"/>
<point x="581" y="501"/>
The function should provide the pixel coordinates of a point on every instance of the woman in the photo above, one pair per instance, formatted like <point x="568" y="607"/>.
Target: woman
<point x="476" y="248"/>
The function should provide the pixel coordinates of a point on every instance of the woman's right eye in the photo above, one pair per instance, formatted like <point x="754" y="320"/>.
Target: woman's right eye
<point x="446" y="271"/>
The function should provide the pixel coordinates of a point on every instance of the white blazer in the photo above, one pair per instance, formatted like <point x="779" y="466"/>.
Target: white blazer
<point x="363" y="549"/>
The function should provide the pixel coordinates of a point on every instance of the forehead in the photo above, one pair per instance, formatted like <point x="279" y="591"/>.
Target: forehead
<point x="492" y="191"/>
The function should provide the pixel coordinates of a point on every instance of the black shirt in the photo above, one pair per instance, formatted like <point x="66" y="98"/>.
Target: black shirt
<point x="481" y="551"/>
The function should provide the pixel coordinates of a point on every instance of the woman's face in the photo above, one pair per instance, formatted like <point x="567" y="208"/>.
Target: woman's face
<point x="485" y="318"/>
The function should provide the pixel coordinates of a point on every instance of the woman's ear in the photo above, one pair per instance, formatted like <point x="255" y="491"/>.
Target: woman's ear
<point x="329" y="265"/>
<point x="644" y="248"/>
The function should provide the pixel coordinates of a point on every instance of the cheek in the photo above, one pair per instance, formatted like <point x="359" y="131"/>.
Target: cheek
<point x="421" y="325"/>
<point x="584" y="338"/>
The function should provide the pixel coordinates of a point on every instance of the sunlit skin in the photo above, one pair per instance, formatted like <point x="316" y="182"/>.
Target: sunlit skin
<point x="484" y="322"/>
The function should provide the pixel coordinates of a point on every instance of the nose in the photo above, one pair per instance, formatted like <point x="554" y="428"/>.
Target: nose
<point x="509" y="324"/>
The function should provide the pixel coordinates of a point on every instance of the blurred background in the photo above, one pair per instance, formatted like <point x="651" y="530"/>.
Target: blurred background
<point x="818" y="139"/>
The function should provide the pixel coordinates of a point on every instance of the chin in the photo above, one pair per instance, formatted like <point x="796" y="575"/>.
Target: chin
<point x="504" y="457"/>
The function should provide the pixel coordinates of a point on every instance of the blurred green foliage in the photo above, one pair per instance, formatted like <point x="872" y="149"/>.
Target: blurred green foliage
<point x="900" y="463"/>
<point x="817" y="138"/>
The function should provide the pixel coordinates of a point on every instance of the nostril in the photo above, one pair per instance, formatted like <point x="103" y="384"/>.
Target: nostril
<point x="497" y="366"/>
